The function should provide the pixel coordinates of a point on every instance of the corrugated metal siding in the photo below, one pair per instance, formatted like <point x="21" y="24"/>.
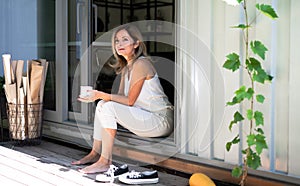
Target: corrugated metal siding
<point x="204" y="122"/>
<point x="294" y="87"/>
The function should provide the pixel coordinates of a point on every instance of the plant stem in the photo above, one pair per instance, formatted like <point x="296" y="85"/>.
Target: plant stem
<point x="247" y="58"/>
<point x="247" y="29"/>
<point x="245" y="172"/>
<point x="245" y="166"/>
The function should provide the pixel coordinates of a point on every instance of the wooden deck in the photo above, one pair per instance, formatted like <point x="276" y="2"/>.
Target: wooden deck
<point x="49" y="164"/>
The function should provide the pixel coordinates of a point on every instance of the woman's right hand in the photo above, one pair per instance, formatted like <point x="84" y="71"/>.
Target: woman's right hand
<point x="90" y="98"/>
<point x="95" y="95"/>
<point x="100" y="95"/>
<point x="85" y="99"/>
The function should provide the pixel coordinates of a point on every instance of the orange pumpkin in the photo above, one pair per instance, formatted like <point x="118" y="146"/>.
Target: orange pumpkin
<point x="199" y="179"/>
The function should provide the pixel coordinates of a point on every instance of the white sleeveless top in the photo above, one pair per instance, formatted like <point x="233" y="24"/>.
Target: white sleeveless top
<point x="152" y="97"/>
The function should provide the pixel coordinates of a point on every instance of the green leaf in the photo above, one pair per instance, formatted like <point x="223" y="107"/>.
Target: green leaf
<point x="241" y="26"/>
<point x="239" y="1"/>
<point x="249" y="93"/>
<point x="236" y="118"/>
<point x="233" y="62"/>
<point x="258" y="48"/>
<point x="237" y="172"/>
<point x="259" y="130"/>
<point x="260" y="143"/>
<point x="250" y="114"/>
<point x="228" y="146"/>
<point x="236" y="140"/>
<point x="253" y="64"/>
<point x="231" y="124"/>
<point x="241" y="94"/>
<point x="253" y="161"/>
<point x="260" y="98"/>
<point x="260" y="76"/>
<point x="270" y="78"/>
<point x="251" y="139"/>
<point x="241" y="90"/>
<point x="259" y="118"/>
<point x="267" y="10"/>
<point x="234" y="101"/>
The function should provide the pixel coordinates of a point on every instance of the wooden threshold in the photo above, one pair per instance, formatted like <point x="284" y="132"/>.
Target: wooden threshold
<point x="188" y="167"/>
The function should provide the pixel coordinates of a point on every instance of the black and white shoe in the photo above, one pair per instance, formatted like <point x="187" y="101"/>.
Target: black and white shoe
<point x="146" y="177"/>
<point x="112" y="173"/>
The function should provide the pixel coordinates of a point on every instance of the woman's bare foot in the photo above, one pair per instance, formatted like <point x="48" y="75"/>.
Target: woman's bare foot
<point x="97" y="167"/>
<point x="92" y="157"/>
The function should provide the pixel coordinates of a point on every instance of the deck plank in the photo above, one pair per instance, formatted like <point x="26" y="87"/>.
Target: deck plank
<point x="50" y="164"/>
<point x="60" y="175"/>
<point x="7" y="181"/>
<point x="20" y="176"/>
<point x="32" y="170"/>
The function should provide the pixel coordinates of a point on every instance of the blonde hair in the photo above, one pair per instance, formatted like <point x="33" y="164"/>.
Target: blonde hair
<point x="136" y="35"/>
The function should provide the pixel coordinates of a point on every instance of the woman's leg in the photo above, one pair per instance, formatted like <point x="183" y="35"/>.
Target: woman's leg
<point x="144" y="123"/>
<point x="93" y="156"/>
<point x="139" y="121"/>
<point x="108" y="136"/>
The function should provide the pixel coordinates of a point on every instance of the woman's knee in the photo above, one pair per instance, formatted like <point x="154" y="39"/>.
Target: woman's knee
<point x="100" y="103"/>
<point x="106" y="107"/>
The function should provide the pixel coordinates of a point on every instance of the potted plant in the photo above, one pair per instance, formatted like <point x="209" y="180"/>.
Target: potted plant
<point x="254" y="54"/>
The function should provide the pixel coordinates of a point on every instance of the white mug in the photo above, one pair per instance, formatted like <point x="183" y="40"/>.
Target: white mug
<point x="84" y="91"/>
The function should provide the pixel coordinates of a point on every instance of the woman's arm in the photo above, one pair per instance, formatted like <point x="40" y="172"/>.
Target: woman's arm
<point x="140" y="72"/>
<point x="133" y="94"/>
<point x="122" y="84"/>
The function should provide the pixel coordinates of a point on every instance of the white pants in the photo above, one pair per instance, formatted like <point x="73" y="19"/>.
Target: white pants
<point x="136" y="120"/>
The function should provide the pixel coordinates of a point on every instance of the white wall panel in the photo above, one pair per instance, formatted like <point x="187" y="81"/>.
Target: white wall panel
<point x="218" y="51"/>
<point x="281" y="81"/>
<point x="294" y="99"/>
<point x="196" y="74"/>
<point x="202" y="80"/>
<point x="231" y="80"/>
<point x="211" y="22"/>
<point x="263" y="32"/>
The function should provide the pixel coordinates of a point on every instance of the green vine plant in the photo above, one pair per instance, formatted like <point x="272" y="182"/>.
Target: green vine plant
<point x="255" y="52"/>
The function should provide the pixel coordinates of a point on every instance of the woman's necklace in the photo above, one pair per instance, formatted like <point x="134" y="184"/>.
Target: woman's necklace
<point x="129" y="69"/>
<point x="129" y="66"/>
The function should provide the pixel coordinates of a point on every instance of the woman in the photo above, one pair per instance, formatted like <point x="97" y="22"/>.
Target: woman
<point x="140" y="105"/>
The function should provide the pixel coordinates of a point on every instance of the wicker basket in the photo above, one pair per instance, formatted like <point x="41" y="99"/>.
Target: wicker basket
<point x="25" y="122"/>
